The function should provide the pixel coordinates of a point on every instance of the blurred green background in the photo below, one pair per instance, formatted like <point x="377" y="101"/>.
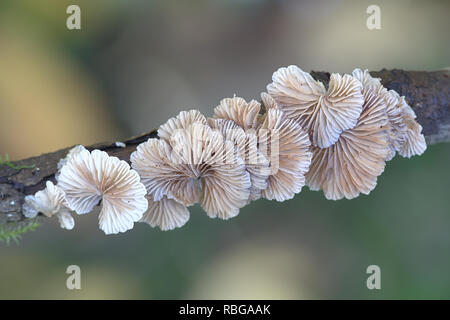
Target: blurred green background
<point x="136" y="63"/>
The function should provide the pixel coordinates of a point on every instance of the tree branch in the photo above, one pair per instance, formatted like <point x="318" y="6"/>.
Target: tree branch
<point x="426" y="92"/>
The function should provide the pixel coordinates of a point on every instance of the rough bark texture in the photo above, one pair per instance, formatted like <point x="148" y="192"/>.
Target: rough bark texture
<point x="426" y="92"/>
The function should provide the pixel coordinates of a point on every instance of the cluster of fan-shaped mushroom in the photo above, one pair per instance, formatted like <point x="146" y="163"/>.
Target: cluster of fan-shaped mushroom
<point x="335" y="139"/>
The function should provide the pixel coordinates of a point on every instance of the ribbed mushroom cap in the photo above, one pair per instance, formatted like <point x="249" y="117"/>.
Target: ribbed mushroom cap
<point x="182" y="121"/>
<point x="69" y="156"/>
<point x="246" y="145"/>
<point x="324" y="114"/>
<point x="237" y="109"/>
<point x="286" y="145"/>
<point x="167" y="214"/>
<point x="351" y="166"/>
<point x="196" y="165"/>
<point x="415" y="143"/>
<point x="90" y="177"/>
<point x="268" y="101"/>
<point x="51" y="202"/>
<point x="405" y="135"/>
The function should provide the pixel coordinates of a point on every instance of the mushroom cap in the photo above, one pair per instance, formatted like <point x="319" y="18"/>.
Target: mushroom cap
<point x="51" y="202"/>
<point x="237" y="109"/>
<point x="182" y="121"/>
<point x="351" y="166"/>
<point x="287" y="147"/>
<point x="405" y="133"/>
<point x="366" y="79"/>
<point x="69" y="156"/>
<point x="225" y="183"/>
<point x="415" y="143"/>
<point x="246" y="146"/>
<point x="324" y="114"/>
<point x="268" y="101"/>
<point x="90" y="177"/>
<point x="167" y="214"/>
<point x="196" y="166"/>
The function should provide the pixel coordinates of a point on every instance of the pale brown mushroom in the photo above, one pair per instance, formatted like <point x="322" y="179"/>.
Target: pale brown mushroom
<point x="237" y="109"/>
<point x="324" y="114"/>
<point x="284" y="143"/>
<point x="351" y="166"/>
<point x="246" y="144"/>
<point x="405" y="133"/>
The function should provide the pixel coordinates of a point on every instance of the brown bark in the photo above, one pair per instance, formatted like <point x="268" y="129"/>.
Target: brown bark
<point x="426" y="92"/>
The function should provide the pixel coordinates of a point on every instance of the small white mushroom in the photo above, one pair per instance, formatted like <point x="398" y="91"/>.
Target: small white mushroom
<point x="324" y="114"/>
<point x="51" y="202"/>
<point x="167" y="214"/>
<point x="89" y="177"/>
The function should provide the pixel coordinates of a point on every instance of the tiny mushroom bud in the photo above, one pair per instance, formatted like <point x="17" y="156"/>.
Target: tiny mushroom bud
<point x="51" y="202"/>
<point x="324" y="114"/>
<point x="89" y="177"/>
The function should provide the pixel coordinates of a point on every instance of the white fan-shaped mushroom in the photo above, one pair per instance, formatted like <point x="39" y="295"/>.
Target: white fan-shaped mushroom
<point x="246" y="144"/>
<point x="90" y="177"/>
<point x="51" y="202"/>
<point x="237" y="109"/>
<point x="268" y="101"/>
<point x="182" y="121"/>
<point x="351" y="166"/>
<point x="324" y="114"/>
<point x="197" y="165"/>
<point x="286" y="145"/>
<point x="414" y="142"/>
<point x="167" y="214"/>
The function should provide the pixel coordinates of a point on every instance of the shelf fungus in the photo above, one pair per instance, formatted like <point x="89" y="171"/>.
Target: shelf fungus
<point x="335" y="139"/>
<point x="90" y="177"/>
<point x="324" y="114"/>
<point x="51" y="202"/>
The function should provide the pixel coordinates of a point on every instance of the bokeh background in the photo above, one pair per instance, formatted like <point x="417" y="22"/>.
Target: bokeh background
<point x="136" y="63"/>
